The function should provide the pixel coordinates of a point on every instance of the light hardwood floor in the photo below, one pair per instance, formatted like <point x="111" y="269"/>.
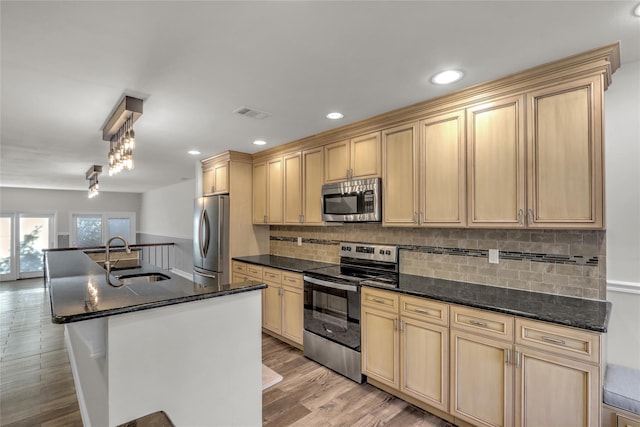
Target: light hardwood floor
<point x="37" y="386"/>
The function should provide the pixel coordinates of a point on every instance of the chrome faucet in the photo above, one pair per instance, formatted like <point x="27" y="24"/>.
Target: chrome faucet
<point x="107" y="263"/>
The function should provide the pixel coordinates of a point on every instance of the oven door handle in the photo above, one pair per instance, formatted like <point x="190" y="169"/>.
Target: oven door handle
<point x="350" y="288"/>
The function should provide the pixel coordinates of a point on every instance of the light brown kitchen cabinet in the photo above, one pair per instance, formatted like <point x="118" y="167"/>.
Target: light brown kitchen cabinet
<point x="292" y="307"/>
<point x="405" y="345"/>
<point x="424" y="172"/>
<point x="565" y="155"/>
<point x="481" y="380"/>
<point x="400" y="175"/>
<point x="443" y="171"/>
<point x="496" y="163"/>
<point x="268" y="192"/>
<point x="303" y="179"/>
<point x="215" y="178"/>
<point x="357" y="157"/>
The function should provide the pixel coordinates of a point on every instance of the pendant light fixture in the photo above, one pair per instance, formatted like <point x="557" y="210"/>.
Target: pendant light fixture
<point x="120" y="134"/>
<point x="92" y="177"/>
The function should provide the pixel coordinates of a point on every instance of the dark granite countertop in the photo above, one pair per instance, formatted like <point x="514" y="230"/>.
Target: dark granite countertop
<point x="78" y="289"/>
<point x="284" y="263"/>
<point x="581" y="313"/>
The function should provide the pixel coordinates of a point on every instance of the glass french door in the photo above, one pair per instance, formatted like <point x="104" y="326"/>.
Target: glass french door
<point x="23" y="238"/>
<point x="89" y="229"/>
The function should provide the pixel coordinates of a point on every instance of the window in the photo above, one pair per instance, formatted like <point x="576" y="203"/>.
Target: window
<point x="91" y="229"/>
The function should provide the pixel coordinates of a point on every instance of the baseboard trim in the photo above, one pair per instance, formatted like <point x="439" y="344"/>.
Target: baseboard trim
<point x="624" y="287"/>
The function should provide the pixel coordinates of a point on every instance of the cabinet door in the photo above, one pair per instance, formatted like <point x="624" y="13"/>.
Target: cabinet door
<point x="424" y="368"/>
<point x="337" y="163"/>
<point x="221" y="178"/>
<point x="380" y="347"/>
<point x="365" y="156"/>
<point x="443" y="163"/>
<point x="400" y="176"/>
<point x="207" y="182"/>
<point x="481" y="380"/>
<point x="565" y="156"/>
<point x="293" y="189"/>
<point x="272" y="307"/>
<point x="556" y="391"/>
<point x="495" y="162"/>
<point x="313" y="178"/>
<point x="275" y="201"/>
<point x="292" y="313"/>
<point x="259" y="207"/>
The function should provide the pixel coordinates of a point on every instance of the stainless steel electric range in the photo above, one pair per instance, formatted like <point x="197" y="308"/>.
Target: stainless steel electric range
<point x="332" y="304"/>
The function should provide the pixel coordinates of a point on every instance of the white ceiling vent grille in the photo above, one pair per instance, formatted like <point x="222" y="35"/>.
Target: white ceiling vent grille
<point x="252" y="113"/>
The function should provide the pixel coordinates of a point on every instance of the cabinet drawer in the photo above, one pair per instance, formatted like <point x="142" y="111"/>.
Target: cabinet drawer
<point x="627" y="422"/>
<point x="254" y="271"/>
<point x="239" y="267"/>
<point x="292" y="279"/>
<point x="495" y="325"/>
<point x="425" y="309"/>
<point x="565" y="341"/>
<point x="380" y="299"/>
<point x="272" y="275"/>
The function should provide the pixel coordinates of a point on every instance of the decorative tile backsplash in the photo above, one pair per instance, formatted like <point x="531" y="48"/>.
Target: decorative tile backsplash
<point x="559" y="262"/>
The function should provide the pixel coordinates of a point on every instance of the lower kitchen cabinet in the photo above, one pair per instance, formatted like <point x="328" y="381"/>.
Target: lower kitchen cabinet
<point x="282" y="300"/>
<point x="405" y="345"/>
<point x="481" y="380"/>
<point x="479" y="367"/>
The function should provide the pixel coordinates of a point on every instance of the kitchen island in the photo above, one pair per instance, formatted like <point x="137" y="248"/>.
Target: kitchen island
<point x="138" y="346"/>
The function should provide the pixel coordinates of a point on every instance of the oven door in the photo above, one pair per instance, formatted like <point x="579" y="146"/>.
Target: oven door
<point x="332" y="311"/>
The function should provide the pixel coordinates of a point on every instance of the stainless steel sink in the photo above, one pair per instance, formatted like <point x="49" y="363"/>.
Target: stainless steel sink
<point x="137" y="279"/>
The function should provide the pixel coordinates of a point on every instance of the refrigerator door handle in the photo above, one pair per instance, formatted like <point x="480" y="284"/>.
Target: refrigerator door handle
<point x="221" y="220"/>
<point x="207" y="234"/>
<point x="201" y="234"/>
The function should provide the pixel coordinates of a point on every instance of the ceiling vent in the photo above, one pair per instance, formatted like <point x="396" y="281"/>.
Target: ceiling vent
<point x="252" y="113"/>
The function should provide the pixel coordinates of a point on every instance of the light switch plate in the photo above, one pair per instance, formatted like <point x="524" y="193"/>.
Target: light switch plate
<point x="494" y="257"/>
<point x="299" y="241"/>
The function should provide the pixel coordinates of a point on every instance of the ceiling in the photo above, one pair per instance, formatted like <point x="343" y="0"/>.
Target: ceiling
<point x="65" y="65"/>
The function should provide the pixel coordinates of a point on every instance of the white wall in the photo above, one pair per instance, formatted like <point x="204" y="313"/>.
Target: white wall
<point x="622" y="136"/>
<point x="63" y="202"/>
<point x="168" y="211"/>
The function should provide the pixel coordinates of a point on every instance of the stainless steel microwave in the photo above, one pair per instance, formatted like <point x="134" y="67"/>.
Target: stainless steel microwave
<point x="356" y="200"/>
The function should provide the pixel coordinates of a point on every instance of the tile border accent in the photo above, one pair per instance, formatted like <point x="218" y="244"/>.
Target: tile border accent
<point x="476" y="253"/>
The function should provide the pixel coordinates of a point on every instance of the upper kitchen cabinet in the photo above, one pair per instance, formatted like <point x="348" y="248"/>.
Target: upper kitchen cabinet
<point x="565" y="155"/>
<point x="303" y="179"/>
<point x="215" y="177"/>
<point x="423" y="170"/>
<point x="496" y="163"/>
<point x="442" y="166"/>
<point x="268" y="202"/>
<point x="357" y="157"/>
<point x="400" y="176"/>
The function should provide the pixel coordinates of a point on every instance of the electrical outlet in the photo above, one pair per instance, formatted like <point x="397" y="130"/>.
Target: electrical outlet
<point x="494" y="257"/>
<point x="299" y="241"/>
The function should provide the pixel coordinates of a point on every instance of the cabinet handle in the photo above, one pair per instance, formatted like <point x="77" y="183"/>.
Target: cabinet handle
<point x="395" y="324"/>
<point x="529" y="216"/>
<point x="517" y="359"/>
<point x="508" y="362"/>
<point x="415" y="217"/>
<point x="421" y="218"/>
<point x="477" y="323"/>
<point x="553" y="340"/>
<point x="265" y="219"/>
<point x="279" y="291"/>
<point x="401" y="326"/>
<point x="301" y="218"/>
<point x="422" y="310"/>
<point x="378" y="300"/>
<point x="520" y="215"/>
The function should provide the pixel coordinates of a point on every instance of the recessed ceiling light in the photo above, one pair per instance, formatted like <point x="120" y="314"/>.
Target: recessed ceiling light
<point x="335" y="115"/>
<point x="447" y="77"/>
<point x="259" y="142"/>
<point x="194" y="152"/>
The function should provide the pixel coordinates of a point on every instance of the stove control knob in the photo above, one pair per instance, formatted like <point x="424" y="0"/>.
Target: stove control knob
<point x="381" y="251"/>
<point x="388" y="252"/>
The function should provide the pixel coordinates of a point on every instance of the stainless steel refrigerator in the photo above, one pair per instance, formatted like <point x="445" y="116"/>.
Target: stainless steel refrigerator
<point x="211" y="241"/>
